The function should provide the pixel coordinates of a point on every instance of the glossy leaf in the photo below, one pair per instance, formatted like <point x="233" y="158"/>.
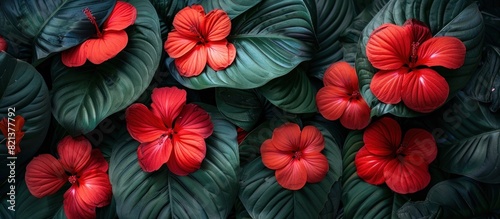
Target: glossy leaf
<point x="33" y="207"/>
<point x="167" y="9"/>
<point x="241" y="107"/>
<point x="84" y="96"/>
<point x="271" y="39"/>
<point x="233" y="8"/>
<point x="460" y="19"/>
<point x="39" y="28"/>
<point x="421" y="209"/>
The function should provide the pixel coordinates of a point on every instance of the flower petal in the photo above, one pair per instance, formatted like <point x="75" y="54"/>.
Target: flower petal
<point x="105" y="47"/>
<point x="419" y="31"/>
<point x="189" y="20"/>
<point x="388" y="47"/>
<point x="387" y="85"/>
<point x="168" y="103"/>
<point x="424" y="90"/>
<point x="188" y="154"/>
<point x="332" y="101"/>
<point x="420" y="143"/>
<point x="217" y="25"/>
<point x="44" y="175"/>
<point x="3" y="44"/>
<point x="154" y="154"/>
<point x="194" y="119"/>
<point x="272" y="158"/>
<point x="316" y="166"/>
<point x="75" y="208"/>
<point x="341" y="74"/>
<point x="75" y="56"/>
<point x="287" y="137"/>
<point x="293" y="176"/>
<point x="178" y="45"/>
<point x="142" y="125"/>
<point x="448" y="52"/>
<point x="370" y="167"/>
<point x="311" y="140"/>
<point x="74" y="153"/>
<point x="406" y="177"/>
<point x="219" y="56"/>
<point x="357" y="114"/>
<point x="122" y="16"/>
<point x="383" y="137"/>
<point x="97" y="161"/>
<point x="193" y="63"/>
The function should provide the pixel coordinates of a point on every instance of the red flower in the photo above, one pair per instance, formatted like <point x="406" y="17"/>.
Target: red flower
<point x="403" y="54"/>
<point x="340" y="97"/>
<point x="241" y="134"/>
<point x="295" y="155"/>
<point x="172" y="132"/>
<point x="402" y="165"/>
<point x="78" y="164"/>
<point x="15" y="131"/>
<point x="199" y="38"/>
<point x="108" y="43"/>
<point x="3" y="44"/>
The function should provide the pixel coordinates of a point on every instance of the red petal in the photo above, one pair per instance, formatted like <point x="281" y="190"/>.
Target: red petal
<point x="448" y="52"/>
<point x="217" y="25"/>
<point x="3" y="44"/>
<point x="383" y="137"/>
<point x="219" y="55"/>
<point x="293" y="176"/>
<point x="105" y="47"/>
<point x="168" y="103"/>
<point x="178" y="45"/>
<point x="311" y="140"/>
<point x="75" y="208"/>
<point x="142" y="125"/>
<point x="75" y="56"/>
<point x="316" y="166"/>
<point x="189" y="151"/>
<point x="405" y="177"/>
<point x="341" y="74"/>
<point x="387" y="85"/>
<point x="419" y="31"/>
<point x="154" y="154"/>
<point x="189" y="21"/>
<point x="332" y="101"/>
<point x="388" y="47"/>
<point x="194" y="119"/>
<point x="356" y="115"/>
<point x="74" y="153"/>
<point x="287" y="137"/>
<point x="370" y="167"/>
<point x="3" y="127"/>
<point x="122" y="16"/>
<point x="424" y="90"/>
<point x="44" y="175"/>
<point x="97" y="161"/>
<point x="272" y="158"/>
<point x="420" y="143"/>
<point x="19" y="134"/>
<point x="193" y="63"/>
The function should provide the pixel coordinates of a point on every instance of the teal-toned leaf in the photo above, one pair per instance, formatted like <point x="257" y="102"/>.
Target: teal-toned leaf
<point x="5" y="212"/>
<point x="82" y="97"/>
<point x="167" y="9"/>
<point x="39" y="28"/>
<point x="263" y="197"/>
<point x="241" y="107"/>
<point x="233" y="8"/>
<point x="360" y="199"/>
<point x="29" y="206"/>
<point x="332" y="208"/>
<point x="250" y="146"/>
<point x="271" y="39"/>
<point x="492" y="24"/>
<point x="292" y="92"/>
<point x="461" y="19"/>
<point x="209" y="192"/>
<point x="420" y="209"/>
<point x="23" y="92"/>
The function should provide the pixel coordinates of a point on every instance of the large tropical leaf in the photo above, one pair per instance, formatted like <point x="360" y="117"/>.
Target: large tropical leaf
<point x="241" y="107"/>
<point x="22" y="92"/>
<point x="271" y="39"/>
<point x="492" y="24"/>
<point x="457" y="18"/>
<point x="360" y="199"/>
<point x="29" y="206"/>
<point x="263" y="197"/>
<point x="233" y="8"/>
<point x="84" y="96"/>
<point x="40" y="27"/>
<point x="209" y="192"/>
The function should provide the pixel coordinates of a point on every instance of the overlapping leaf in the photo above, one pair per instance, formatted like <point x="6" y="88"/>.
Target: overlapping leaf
<point x="241" y="107"/>
<point x="233" y="8"/>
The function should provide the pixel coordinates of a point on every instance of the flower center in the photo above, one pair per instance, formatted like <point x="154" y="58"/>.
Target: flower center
<point x="355" y="95"/>
<point x="165" y="136"/>
<point x="73" y="179"/>
<point x="297" y="155"/>
<point x="414" y="56"/>
<point x="400" y="150"/>
<point x="201" y="39"/>
<point x="92" y="20"/>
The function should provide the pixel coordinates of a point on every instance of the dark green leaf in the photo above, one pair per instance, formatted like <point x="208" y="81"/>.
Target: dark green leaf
<point x="84" y="96"/>
<point x="241" y="107"/>
<point x="332" y="208"/>
<point x="167" y="9"/>
<point x="421" y="209"/>
<point x="233" y="8"/>
<point x="492" y="24"/>
<point x="29" y="206"/>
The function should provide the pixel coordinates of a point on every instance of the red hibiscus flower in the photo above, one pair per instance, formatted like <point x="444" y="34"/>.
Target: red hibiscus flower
<point x="295" y="155"/>
<point x="199" y="38"/>
<point x="402" y="165"/>
<point x="404" y="55"/>
<point x="3" y="44"/>
<point x="13" y="133"/>
<point x="172" y="132"/>
<point x="340" y="97"/>
<point x="108" y="42"/>
<point x="78" y="164"/>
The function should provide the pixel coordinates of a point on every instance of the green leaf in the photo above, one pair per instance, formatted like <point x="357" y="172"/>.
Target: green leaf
<point x="39" y="28"/>
<point x="420" y="209"/>
<point x="233" y="8"/>
<point x="250" y="146"/>
<point x="263" y="197"/>
<point x="106" y="212"/>
<point x="209" y="192"/>
<point x="29" y="206"/>
<point x="461" y="19"/>
<point x="84" y="96"/>
<point x="22" y="92"/>
<point x="292" y="92"/>
<point x="241" y="107"/>
<point x="360" y="199"/>
<point x="492" y="24"/>
<point x="167" y="9"/>
<point x="271" y="39"/>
